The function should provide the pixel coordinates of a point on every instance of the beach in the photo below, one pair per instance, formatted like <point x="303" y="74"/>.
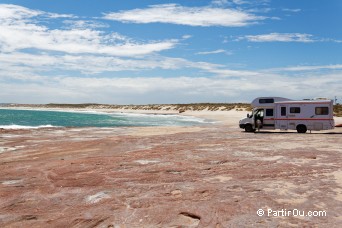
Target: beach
<point x="212" y="175"/>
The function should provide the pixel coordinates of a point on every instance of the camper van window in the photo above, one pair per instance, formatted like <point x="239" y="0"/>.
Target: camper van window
<point x="295" y="110"/>
<point x="322" y="111"/>
<point x="269" y="112"/>
<point x="266" y="101"/>
<point x="283" y="111"/>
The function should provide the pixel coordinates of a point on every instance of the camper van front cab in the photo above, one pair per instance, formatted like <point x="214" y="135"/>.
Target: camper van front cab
<point x="285" y="114"/>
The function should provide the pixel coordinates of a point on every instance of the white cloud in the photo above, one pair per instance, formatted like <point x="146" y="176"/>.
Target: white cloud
<point x="186" y="37"/>
<point x="12" y="12"/>
<point x="192" y="16"/>
<point x="309" y="68"/>
<point x="9" y="12"/>
<point x="228" y="2"/>
<point x="112" y="68"/>
<point x="28" y="77"/>
<point x="168" y="90"/>
<point x="219" y="2"/>
<point x="19" y="31"/>
<point x="94" y="64"/>
<point x="84" y="24"/>
<point x="239" y="2"/>
<point x="55" y="15"/>
<point x="292" y="10"/>
<point x="219" y="51"/>
<point x="279" y="37"/>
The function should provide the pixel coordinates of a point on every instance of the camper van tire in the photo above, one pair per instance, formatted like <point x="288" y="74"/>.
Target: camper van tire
<point x="249" y="128"/>
<point x="301" y="128"/>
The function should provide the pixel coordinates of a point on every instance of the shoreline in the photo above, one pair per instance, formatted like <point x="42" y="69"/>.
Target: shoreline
<point x="218" y="116"/>
<point x="229" y="118"/>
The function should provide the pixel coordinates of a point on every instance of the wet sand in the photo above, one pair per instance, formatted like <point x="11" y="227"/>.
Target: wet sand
<point x="208" y="176"/>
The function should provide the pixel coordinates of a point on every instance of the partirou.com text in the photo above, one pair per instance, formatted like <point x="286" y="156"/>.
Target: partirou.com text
<point x="292" y="212"/>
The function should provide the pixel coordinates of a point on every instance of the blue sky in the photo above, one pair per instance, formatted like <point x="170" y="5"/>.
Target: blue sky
<point x="144" y="52"/>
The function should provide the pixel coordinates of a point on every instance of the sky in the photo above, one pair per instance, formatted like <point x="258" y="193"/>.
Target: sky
<point x="169" y="52"/>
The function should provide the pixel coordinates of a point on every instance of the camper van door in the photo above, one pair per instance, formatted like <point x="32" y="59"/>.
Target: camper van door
<point x="269" y="122"/>
<point x="282" y="116"/>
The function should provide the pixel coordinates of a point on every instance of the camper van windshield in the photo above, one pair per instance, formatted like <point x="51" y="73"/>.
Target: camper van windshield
<point x="250" y="115"/>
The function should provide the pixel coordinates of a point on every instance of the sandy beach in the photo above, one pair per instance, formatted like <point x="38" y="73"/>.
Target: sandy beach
<point x="214" y="175"/>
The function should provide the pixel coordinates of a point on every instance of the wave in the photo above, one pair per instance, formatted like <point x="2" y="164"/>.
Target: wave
<point x="161" y="116"/>
<point x="57" y="110"/>
<point x="29" y="119"/>
<point x="170" y="116"/>
<point x="14" y="126"/>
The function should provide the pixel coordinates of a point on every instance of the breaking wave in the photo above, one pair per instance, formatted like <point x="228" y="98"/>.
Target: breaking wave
<point x="31" y="119"/>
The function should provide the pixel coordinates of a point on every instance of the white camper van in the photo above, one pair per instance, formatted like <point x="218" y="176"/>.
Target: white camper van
<point x="285" y="114"/>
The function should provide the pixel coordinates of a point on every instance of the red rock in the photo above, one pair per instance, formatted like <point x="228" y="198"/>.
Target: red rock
<point x="217" y="177"/>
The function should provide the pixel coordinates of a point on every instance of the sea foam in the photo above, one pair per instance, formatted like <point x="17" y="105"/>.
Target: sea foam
<point x="13" y="126"/>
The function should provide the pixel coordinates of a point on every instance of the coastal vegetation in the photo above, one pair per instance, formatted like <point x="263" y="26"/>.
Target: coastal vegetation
<point x="338" y="110"/>
<point x="157" y="107"/>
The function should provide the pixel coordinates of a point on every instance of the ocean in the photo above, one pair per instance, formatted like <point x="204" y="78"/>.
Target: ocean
<point x="22" y="119"/>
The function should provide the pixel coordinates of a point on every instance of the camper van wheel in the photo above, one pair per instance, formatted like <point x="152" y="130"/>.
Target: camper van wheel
<point x="301" y="128"/>
<point x="249" y="128"/>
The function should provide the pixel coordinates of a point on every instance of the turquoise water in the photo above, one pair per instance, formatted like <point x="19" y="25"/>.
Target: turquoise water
<point x="10" y="118"/>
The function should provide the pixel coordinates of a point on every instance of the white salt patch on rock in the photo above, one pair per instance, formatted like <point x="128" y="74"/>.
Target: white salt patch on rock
<point x="11" y="182"/>
<point x="97" y="197"/>
<point x="145" y="162"/>
<point x="273" y="158"/>
<point x="219" y="178"/>
<point x="6" y="149"/>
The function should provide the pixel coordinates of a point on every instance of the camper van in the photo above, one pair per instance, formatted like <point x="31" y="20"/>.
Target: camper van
<point x="286" y="114"/>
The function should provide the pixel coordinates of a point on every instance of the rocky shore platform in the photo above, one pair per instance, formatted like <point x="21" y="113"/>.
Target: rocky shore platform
<point x="208" y="176"/>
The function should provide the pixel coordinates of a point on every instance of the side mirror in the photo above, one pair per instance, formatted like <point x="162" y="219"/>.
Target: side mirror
<point x="247" y="115"/>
